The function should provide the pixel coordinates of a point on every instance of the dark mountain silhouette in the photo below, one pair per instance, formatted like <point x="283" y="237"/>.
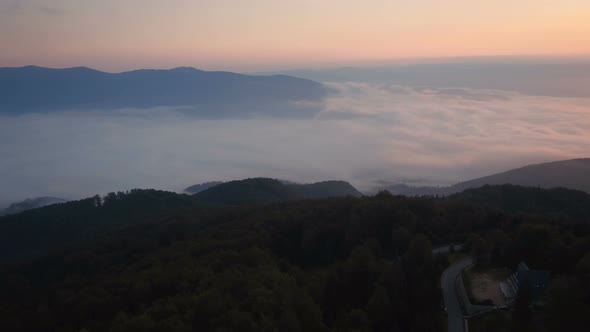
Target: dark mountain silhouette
<point x="203" y="93"/>
<point x="255" y="191"/>
<point x="571" y="174"/>
<point x="322" y="189"/>
<point x="31" y="203"/>
<point x="263" y="191"/>
<point x="539" y="201"/>
<point x="166" y="264"/>
<point x="35" y="232"/>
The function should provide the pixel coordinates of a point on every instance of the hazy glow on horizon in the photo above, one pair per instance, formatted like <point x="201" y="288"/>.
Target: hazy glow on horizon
<point x="267" y="34"/>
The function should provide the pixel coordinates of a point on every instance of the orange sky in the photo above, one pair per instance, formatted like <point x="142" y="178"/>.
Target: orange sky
<point x="270" y="34"/>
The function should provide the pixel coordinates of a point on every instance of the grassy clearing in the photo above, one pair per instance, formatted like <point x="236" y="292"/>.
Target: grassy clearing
<point x="483" y="285"/>
<point x="467" y="281"/>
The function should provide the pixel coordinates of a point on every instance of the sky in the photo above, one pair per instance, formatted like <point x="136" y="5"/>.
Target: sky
<point x="255" y="35"/>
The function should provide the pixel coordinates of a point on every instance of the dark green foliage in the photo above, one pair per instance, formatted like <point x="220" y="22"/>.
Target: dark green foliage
<point x="497" y="321"/>
<point x="547" y="202"/>
<point x="154" y="261"/>
<point x="522" y="314"/>
<point x="568" y="308"/>
<point x="255" y="191"/>
<point x="301" y="266"/>
<point x="549" y="230"/>
<point x="258" y="191"/>
<point x="37" y="232"/>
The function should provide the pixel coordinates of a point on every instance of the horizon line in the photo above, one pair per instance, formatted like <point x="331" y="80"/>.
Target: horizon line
<point x="368" y="63"/>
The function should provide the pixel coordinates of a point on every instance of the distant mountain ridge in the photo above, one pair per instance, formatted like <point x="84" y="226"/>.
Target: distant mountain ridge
<point x="31" y="203"/>
<point x="571" y="174"/>
<point x="197" y="188"/>
<point x="203" y="93"/>
<point x="256" y="191"/>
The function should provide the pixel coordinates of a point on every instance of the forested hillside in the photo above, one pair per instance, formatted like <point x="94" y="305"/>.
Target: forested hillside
<point x="41" y="231"/>
<point x="264" y="190"/>
<point x="571" y="174"/>
<point x="337" y="264"/>
<point x="254" y="191"/>
<point x="36" y="232"/>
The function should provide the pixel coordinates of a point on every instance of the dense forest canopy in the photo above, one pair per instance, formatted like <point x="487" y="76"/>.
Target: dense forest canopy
<point x="148" y="260"/>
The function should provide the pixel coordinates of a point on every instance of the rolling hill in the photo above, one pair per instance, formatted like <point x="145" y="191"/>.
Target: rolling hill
<point x="263" y="191"/>
<point x="36" y="232"/>
<point x="571" y="174"/>
<point x="255" y="191"/>
<point x="40" y="230"/>
<point x="164" y="264"/>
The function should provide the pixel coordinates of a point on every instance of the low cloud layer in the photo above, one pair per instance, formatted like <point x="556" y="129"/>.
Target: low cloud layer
<point x="365" y="133"/>
<point x="445" y="135"/>
<point x="550" y="76"/>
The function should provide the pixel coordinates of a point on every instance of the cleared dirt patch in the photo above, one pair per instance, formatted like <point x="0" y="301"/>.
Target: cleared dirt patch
<point x="485" y="285"/>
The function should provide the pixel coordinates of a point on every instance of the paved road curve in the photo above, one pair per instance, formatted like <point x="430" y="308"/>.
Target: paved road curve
<point x="447" y="281"/>
<point x="446" y="249"/>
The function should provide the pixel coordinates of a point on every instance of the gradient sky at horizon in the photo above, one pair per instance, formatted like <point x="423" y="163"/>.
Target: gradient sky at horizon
<point x="116" y="35"/>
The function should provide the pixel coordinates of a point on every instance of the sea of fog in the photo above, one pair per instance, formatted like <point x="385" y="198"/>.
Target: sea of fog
<point x="365" y="133"/>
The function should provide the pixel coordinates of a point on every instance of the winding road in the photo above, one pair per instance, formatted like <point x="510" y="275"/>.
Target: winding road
<point x="452" y="303"/>
<point x="446" y="249"/>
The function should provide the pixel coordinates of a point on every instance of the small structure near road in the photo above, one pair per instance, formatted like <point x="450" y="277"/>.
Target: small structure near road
<point x="537" y="280"/>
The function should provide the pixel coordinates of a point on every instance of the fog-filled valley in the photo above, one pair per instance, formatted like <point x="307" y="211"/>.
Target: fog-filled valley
<point x="368" y="133"/>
